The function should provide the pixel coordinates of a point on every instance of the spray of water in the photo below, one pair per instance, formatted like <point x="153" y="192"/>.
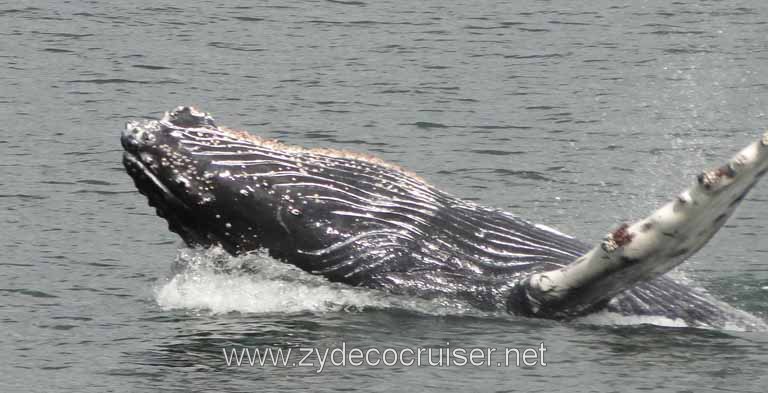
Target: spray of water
<point x="211" y="280"/>
<point x="214" y="281"/>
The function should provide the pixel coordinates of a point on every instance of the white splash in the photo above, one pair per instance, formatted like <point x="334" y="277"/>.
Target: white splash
<point x="214" y="281"/>
<point x="611" y="318"/>
<point x="737" y="320"/>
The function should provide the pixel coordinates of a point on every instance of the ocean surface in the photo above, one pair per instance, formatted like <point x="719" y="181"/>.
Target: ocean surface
<point x="578" y="115"/>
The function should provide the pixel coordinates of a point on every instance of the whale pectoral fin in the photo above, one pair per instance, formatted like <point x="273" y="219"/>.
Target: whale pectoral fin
<point x="648" y="248"/>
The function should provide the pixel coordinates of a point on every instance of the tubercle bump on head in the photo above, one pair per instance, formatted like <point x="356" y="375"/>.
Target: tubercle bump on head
<point x="190" y="117"/>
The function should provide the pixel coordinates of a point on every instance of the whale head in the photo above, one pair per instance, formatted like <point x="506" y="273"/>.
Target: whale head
<point x="171" y="161"/>
<point x="218" y="186"/>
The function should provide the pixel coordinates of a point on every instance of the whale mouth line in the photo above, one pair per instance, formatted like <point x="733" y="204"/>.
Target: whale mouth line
<point x="141" y="173"/>
<point x="168" y="205"/>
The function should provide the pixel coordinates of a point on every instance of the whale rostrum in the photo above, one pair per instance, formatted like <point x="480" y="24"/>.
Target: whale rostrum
<point x="356" y="219"/>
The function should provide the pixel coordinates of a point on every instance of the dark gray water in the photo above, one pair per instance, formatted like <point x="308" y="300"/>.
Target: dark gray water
<point x="577" y="115"/>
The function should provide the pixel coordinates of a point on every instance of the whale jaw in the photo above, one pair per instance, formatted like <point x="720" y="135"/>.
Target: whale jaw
<point x="152" y="161"/>
<point x="180" y="217"/>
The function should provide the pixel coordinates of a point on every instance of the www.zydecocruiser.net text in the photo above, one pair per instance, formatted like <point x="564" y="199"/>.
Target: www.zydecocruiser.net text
<point x="347" y="356"/>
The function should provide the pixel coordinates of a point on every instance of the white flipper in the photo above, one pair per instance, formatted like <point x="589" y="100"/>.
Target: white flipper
<point x="649" y="247"/>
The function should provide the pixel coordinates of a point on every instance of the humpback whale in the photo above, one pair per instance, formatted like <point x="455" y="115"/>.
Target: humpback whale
<point x="356" y="219"/>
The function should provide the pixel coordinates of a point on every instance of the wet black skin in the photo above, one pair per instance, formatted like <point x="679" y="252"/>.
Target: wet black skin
<point x="452" y="252"/>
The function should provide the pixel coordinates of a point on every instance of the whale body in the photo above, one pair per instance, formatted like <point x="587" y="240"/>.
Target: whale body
<point x="356" y="219"/>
